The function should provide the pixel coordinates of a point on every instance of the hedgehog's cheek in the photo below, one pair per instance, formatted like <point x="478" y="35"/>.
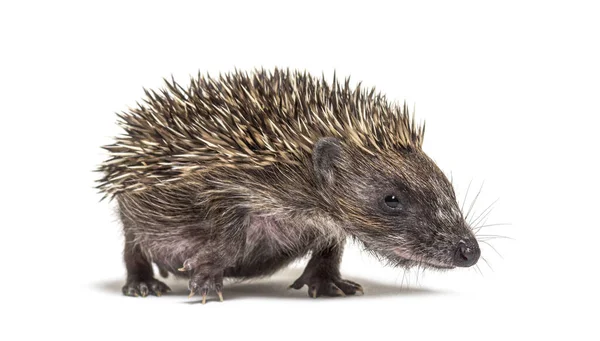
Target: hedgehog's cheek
<point x="326" y="152"/>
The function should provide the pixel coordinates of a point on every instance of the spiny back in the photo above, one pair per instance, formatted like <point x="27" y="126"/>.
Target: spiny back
<point x="243" y="120"/>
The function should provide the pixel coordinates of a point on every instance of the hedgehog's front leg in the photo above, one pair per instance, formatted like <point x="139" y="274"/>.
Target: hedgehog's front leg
<point x="322" y="275"/>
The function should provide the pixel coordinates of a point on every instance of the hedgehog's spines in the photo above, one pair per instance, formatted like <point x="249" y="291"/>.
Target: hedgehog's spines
<point x="242" y="120"/>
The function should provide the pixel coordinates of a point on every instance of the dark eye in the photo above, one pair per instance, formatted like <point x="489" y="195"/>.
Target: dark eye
<point x="392" y="201"/>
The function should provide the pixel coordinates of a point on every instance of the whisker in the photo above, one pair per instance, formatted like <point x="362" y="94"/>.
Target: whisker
<point x="478" y="227"/>
<point x="493" y="248"/>
<point x="492" y="236"/>
<point x="486" y="262"/>
<point x="478" y="269"/>
<point x="497" y="224"/>
<point x="483" y="214"/>
<point x="473" y="202"/>
<point x="462" y="206"/>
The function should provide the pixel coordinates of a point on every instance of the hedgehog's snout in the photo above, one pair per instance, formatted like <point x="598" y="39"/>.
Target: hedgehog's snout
<point x="466" y="253"/>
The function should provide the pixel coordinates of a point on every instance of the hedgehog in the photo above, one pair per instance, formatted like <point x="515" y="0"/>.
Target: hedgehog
<point x="239" y="175"/>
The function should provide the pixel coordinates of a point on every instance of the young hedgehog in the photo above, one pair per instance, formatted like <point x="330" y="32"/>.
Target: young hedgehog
<point x="239" y="176"/>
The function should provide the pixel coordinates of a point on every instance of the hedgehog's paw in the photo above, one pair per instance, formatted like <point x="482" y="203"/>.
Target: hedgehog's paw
<point x="201" y="283"/>
<point x="151" y="286"/>
<point x="327" y="286"/>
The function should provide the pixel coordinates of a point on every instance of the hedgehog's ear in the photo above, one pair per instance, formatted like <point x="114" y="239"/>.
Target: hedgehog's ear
<point x="326" y="153"/>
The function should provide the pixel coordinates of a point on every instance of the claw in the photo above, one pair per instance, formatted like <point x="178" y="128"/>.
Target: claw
<point x="144" y="288"/>
<point x="312" y="291"/>
<point x="191" y="294"/>
<point x="182" y="269"/>
<point x="337" y="290"/>
<point x="204" y="292"/>
<point x="220" y="294"/>
<point x="362" y="292"/>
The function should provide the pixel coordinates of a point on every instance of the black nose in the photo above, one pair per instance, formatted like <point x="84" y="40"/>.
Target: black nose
<point x="466" y="254"/>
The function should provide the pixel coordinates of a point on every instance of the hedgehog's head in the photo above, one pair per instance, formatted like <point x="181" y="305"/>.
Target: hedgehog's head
<point x="398" y="203"/>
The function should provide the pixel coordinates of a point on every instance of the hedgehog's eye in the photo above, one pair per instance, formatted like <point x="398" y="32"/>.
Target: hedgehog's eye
<point x="392" y="201"/>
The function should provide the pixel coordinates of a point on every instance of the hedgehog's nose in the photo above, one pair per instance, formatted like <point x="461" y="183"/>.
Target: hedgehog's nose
<point x="466" y="254"/>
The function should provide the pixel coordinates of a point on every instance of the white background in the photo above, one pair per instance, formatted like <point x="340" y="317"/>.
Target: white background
<point x="510" y="93"/>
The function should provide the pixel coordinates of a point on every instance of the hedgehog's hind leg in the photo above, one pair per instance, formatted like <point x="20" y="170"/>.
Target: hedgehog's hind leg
<point x="206" y="273"/>
<point x="140" y="277"/>
<point x="207" y="266"/>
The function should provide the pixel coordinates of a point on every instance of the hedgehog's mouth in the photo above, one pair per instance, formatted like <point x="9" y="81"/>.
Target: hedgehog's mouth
<point x="412" y="258"/>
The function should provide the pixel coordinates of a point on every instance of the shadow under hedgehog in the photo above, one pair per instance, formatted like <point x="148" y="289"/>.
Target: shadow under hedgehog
<point x="237" y="176"/>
